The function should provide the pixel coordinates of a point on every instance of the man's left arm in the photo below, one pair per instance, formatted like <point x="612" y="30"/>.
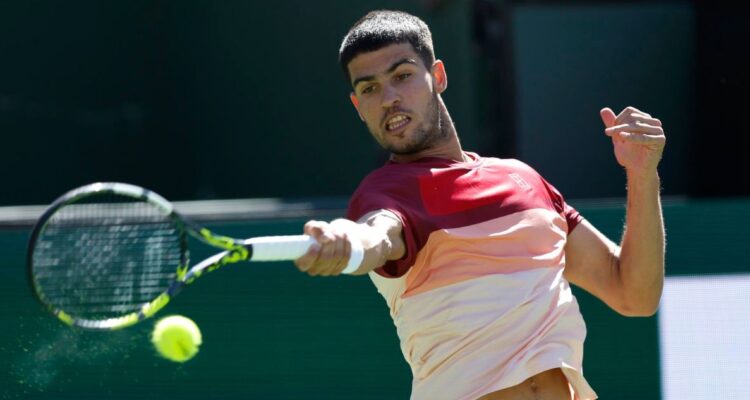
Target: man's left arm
<point x="630" y="277"/>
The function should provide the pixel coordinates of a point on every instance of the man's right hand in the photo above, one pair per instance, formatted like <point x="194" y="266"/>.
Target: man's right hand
<point x="379" y="233"/>
<point x="331" y="253"/>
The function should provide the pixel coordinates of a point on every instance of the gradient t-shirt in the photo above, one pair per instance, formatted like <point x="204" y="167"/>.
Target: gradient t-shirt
<point x="479" y="300"/>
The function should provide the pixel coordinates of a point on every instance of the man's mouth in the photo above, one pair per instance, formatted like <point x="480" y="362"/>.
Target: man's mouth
<point x="397" y="122"/>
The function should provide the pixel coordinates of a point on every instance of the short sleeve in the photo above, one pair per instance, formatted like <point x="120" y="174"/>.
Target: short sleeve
<point x="571" y="215"/>
<point x="365" y="201"/>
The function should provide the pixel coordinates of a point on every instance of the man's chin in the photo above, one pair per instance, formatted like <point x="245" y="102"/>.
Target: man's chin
<point x="405" y="150"/>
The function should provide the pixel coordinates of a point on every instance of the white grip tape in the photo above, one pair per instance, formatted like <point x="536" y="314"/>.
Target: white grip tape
<point x="279" y="248"/>
<point x="284" y="248"/>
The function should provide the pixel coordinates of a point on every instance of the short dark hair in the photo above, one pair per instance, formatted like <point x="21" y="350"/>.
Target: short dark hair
<point x="381" y="28"/>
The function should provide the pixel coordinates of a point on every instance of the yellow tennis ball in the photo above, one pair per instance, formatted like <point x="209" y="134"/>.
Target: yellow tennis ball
<point x="176" y="338"/>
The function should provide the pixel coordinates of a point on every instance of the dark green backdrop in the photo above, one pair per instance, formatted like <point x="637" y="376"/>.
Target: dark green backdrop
<point x="198" y="99"/>
<point x="273" y="333"/>
<point x="239" y="99"/>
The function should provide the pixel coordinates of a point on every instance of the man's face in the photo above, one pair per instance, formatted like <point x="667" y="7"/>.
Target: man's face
<point x="396" y="95"/>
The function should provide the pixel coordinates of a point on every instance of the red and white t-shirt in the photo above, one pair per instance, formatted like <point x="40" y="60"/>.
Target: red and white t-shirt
<point x="479" y="300"/>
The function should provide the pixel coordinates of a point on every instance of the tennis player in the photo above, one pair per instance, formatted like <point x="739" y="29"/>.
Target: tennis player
<point x="474" y="255"/>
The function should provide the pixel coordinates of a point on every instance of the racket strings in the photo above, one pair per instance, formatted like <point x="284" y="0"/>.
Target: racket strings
<point x="106" y="256"/>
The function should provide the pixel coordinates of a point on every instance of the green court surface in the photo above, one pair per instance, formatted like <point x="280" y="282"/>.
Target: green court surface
<point x="270" y="332"/>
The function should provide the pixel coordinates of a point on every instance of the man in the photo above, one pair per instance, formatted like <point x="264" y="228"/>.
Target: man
<point x="473" y="255"/>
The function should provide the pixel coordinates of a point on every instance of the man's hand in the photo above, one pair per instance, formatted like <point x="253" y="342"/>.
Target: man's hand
<point x="378" y="231"/>
<point x="637" y="137"/>
<point x="330" y="255"/>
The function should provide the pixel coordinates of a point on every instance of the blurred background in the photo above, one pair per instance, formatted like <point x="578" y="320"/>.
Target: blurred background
<point x="219" y="104"/>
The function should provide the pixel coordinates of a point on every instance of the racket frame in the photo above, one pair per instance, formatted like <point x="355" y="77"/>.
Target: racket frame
<point x="235" y="250"/>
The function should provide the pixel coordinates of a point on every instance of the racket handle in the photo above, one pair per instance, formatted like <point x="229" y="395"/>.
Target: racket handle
<point x="279" y="248"/>
<point x="283" y="248"/>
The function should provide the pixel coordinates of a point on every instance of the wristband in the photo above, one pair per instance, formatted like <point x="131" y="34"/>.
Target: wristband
<point x="356" y="255"/>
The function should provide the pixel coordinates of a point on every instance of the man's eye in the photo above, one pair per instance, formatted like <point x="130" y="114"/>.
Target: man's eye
<point x="367" y="89"/>
<point x="403" y="76"/>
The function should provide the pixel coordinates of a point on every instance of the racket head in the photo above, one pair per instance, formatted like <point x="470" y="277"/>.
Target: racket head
<point x="107" y="255"/>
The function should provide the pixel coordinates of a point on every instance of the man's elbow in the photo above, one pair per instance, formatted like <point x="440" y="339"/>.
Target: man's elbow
<point x="640" y="308"/>
<point x="642" y="311"/>
<point x="641" y="299"/>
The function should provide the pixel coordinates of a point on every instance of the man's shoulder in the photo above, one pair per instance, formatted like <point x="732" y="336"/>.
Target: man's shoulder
<point x="395" y="172"/>
<point x="387" y="171"/>
<point x="390" y="187"/>
<point x="401" y="176"/>
<point x="512" y="163"/>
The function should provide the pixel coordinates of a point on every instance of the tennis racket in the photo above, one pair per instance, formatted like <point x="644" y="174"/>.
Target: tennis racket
<point x="109" y="255"/>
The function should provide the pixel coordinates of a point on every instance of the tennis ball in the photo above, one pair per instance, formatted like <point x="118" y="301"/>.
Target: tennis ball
<point x="176" y="338"/>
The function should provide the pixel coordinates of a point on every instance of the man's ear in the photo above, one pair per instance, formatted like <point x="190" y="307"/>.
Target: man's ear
<point x="355" y="102"/>
<point x="439" y="76"/>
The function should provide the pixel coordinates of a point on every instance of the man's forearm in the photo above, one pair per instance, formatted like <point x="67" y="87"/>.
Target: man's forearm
<point x="641" y="261"/>
<point x="381" y="237"/>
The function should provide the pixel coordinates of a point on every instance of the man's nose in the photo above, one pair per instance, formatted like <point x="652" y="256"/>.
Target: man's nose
<point x="391" y="96"/>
